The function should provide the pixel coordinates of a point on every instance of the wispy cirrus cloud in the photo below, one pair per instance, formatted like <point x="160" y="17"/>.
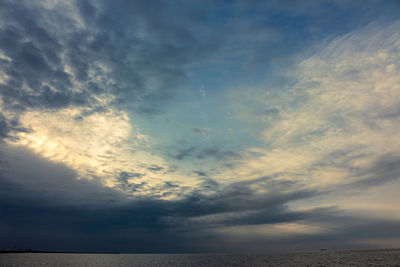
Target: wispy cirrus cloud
<point x="333" y="129"/>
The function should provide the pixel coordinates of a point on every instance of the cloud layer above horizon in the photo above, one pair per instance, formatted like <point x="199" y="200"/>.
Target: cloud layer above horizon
<point x="199" y="127"/>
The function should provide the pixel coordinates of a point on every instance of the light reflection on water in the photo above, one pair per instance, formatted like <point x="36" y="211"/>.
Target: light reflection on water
<point x="325" y="258"/>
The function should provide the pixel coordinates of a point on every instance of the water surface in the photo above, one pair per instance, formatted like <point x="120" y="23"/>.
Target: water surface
<point x="321" y="258"/>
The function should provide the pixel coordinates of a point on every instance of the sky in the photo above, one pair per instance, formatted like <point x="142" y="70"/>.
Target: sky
<point x="199" y="126"/>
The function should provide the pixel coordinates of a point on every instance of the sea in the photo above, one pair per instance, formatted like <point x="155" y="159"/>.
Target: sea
<point x="389" y="257"/>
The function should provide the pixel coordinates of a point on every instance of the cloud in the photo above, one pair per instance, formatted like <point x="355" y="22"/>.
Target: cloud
<point x="198" y="131"/>
<point x="89" y="69"/>
<point x="76" y="78"/>
<point x="35" y="74"/>
<point x="56" y="55"/>
<point x="45" y="203"/>
<point x="155" y="168"/>
<point x="205" y="153"/>
<point x="98" y="145"/>
<point x="382" y="170"/>
<point x="74" y="75"/>
<point x="217" y="154"/>
<point x="55" y="204"/>
<point x="333" y="122"/>
<point x="4" y="127"/>
<point x="200" y="173"/>
<point x="28" y="176"/>
<point x="184" y="153"/>
<point x="269" y="113"/>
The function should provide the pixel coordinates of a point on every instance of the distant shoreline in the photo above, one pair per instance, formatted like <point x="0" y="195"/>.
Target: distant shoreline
<point x="19" y="251"/>
<point x="44" y="251"/>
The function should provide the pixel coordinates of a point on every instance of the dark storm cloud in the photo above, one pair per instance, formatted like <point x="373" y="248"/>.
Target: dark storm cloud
<point x="44" y="202"/>
<point x="34" y="69"/>
<point x="144" y="46"/>
<point x="133" y="51"/>
<point x="44" y="206"/>
<point x="47" y="181"/>
<point x="137" y="52"/>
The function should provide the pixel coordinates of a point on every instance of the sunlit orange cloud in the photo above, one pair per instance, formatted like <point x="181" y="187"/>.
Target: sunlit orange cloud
<point x="98" y="146"/>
